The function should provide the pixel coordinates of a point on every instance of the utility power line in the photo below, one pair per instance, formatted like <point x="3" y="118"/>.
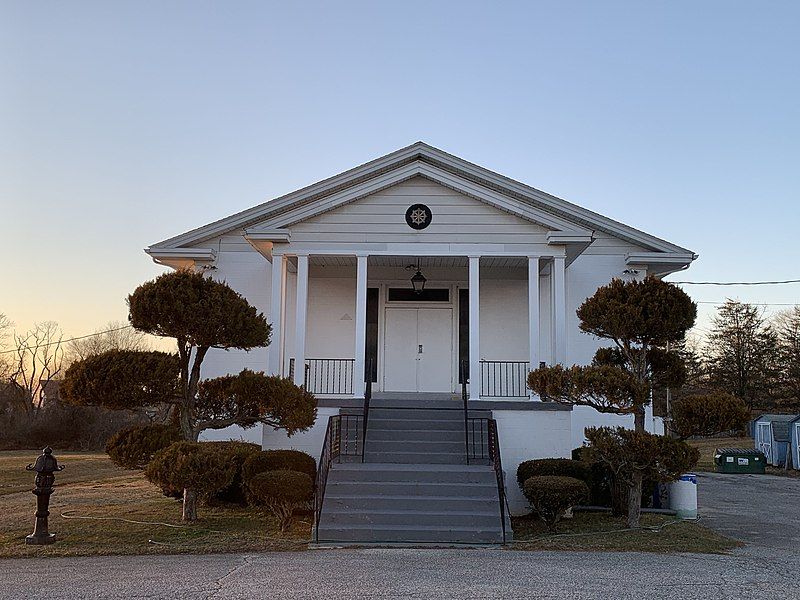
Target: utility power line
<point x="737" y="282"/>
<point x="80" y="337"/>
<point x="753" y="303"/>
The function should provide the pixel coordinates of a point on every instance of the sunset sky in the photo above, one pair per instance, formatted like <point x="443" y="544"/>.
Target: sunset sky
<point x="124" y="123"/>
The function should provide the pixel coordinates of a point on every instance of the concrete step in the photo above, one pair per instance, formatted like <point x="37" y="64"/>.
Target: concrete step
<point x="481" y="503"/>
<point x="410" y="435"/>
<point x="410" y="488"/>
<point x="398" y="423"/>
<point x="429" y="414"/>
<point x="439" y="458"/>
<point x="410" y="535"/>
<point x="431" y="446"/>
<point x="410" y="518"/>
<point x="398" y="473"/>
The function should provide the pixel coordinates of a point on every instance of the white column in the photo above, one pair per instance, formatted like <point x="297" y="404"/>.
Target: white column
<point x="276" y="315"/>
<point x="474" y="329"/>
<point x="533" y="315"/>
<point x="300" y="320"/>
<point x="360" y="325"/>
<point x="559" y="287"/>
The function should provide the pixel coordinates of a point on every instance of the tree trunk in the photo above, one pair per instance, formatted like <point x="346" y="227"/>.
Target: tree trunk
<point x="189" y="505"/>
<point x="619" y="498"/>
<point x="635" y="500"/>
<point x="638" y="420"/>
<point x="187" y="431"/>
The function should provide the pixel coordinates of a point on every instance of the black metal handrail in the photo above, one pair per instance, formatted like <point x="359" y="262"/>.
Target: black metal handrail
<point x="367" y="398"/>
<point x="494" y="455"/>
<point x="329" y="376"/>
<point x="483" y="444"/>
<point x="504" y="378"/>
<point x="464" y="366"/>
<point x="342" y="438"/>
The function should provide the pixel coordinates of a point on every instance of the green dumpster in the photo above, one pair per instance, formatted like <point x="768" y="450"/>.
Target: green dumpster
<point x="739" y="460"/>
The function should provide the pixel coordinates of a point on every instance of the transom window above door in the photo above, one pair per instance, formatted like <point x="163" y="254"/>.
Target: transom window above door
<point x="426" y="295"/>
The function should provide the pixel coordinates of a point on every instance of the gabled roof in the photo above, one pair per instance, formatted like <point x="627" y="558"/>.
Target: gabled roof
<point x="433" y="163"/>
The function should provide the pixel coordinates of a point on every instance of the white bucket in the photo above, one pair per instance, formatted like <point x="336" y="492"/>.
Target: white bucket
<point x="683" y="496"/>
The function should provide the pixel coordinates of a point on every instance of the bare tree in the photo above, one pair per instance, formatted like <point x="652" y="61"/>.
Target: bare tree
<point x="6" y="354"/>
<point x="38" y="359"/>
<point x="115" y="335"/>
<point x="787" y="325"/>
<point x="742" y="353"/>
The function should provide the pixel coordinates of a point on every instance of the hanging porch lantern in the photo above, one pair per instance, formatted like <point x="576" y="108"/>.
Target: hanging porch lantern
<point x="418" y="281"/>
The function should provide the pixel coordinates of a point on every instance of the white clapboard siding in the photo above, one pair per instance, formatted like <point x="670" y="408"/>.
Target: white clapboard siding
<point x="380" y="217"/>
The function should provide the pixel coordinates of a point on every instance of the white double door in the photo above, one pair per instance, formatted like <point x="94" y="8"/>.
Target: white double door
<point x="418" y="349"/>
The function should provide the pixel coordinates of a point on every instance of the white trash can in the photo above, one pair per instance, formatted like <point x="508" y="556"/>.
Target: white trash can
<point x="683" y="496"/>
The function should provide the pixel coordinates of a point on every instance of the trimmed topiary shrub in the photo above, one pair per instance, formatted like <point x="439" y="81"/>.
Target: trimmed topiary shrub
<point x="551" y="496"/>
<point x="237" y="453"/>
<point x="282" y="491"/>
<point x="563" y="467"/>
<point x="274" y="460"/>
<point x="198" y="468"/>
<point x="134" y="447"/>
<point x="708" y="414"/>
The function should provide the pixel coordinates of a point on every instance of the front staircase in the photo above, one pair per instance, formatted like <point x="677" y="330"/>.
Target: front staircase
<point x="415" y="485"/>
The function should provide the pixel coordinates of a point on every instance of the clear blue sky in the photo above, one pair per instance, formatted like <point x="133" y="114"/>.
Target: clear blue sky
<point x="123" y="123"/>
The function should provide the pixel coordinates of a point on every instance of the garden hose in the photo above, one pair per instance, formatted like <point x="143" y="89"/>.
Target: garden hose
<point x="66" y="515"/>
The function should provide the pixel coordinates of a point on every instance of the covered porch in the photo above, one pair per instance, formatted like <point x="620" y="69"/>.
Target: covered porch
<point x="476" y="319"/>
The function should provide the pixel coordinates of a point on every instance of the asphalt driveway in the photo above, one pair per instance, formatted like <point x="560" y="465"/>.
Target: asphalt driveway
<point x="761" y="510"/>
<point x="767" y="567"/>
<point x="402" y="573"/>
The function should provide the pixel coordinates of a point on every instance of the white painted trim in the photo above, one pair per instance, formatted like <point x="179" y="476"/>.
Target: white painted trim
<point x="269" y="235"/>
<point x="301" y="319"/>
<point x="474" y="328"/>
<point x="559" y="288"/>
<point x="179" y="258"/>
<point x="557" y="208"/>
<point x="418" y="249"/>
<point x="533" y="315"/>
<point x="276" y="314"/>
<point x="360" y="323"/>
<point x="406" y="172"/>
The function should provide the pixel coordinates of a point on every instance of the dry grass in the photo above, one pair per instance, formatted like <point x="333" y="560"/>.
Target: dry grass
<point x="92" y="486"/>
<point x="709" y="445"/>
<point x="596" y="532"/>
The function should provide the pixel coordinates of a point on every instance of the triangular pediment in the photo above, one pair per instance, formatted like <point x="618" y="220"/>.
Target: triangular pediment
<point x="385" y="201"/>
<point x="474" y="185"/>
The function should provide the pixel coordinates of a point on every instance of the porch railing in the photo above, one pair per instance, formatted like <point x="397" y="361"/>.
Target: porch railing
<point x="504" y="378"/>
<point x="343" y="437"/>
<point x="483" y="444"/>
<point x="330" y="376"/>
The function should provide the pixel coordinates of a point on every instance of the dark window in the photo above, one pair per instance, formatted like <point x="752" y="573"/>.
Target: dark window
<point x="372" y="333"/>
<point x="463" y="334"/>
<point x="409" y="295"/>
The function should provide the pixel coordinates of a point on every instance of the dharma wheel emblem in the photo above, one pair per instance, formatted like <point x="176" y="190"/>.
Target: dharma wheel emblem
<point x="418" y="216"/>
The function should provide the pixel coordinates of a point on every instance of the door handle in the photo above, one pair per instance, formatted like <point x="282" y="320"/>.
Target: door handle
<point x="419" y="351"/>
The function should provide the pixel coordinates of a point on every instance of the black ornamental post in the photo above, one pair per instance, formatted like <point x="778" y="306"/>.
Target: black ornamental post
<point x="45" y="467"/>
